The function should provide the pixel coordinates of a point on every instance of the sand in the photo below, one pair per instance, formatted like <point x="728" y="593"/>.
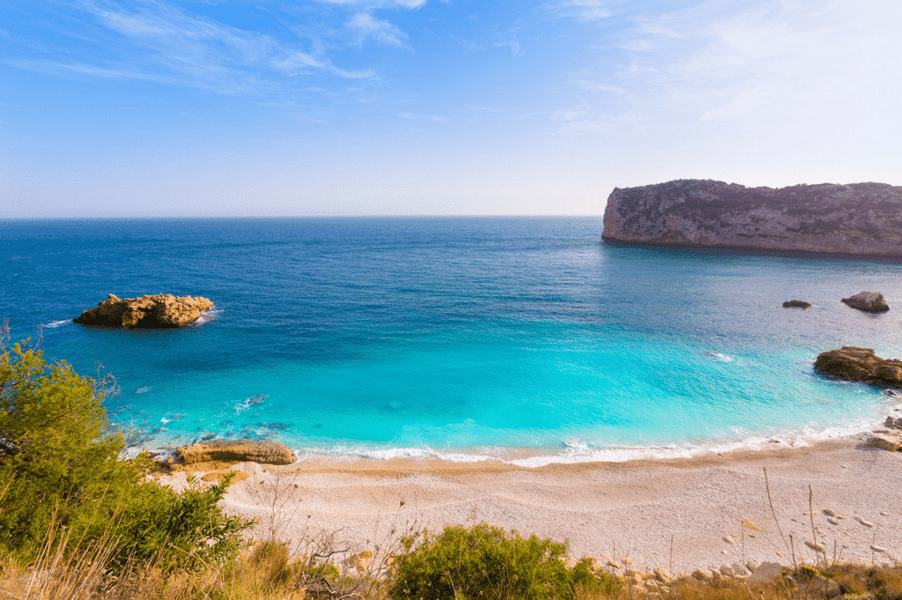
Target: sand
<point x="674" y="514"/>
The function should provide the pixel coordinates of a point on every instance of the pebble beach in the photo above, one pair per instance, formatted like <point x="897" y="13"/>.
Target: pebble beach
<point x="676" y="515"/>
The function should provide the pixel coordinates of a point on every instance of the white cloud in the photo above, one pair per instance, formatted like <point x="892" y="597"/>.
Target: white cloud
<point x="592" y="86"/>
<point x="514" y="45"/>
<point x="583" y="10"/>
<point x="297" y="60"/>
<point x="383" y="32"/>
<point x="378" y="3"/>
<point x="157" y="40"/>
<point x="774" y="60"/>
<point x="432" y="118"/>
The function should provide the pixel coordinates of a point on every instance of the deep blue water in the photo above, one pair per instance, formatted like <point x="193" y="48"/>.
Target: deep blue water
<point x="464" y="337"/>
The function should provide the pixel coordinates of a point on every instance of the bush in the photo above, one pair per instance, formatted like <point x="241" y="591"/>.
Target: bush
<point x="59" y="470"/>
<point x="181" y="531"/>
<point x="57" y="454"/>
<point x="487" y="562"/>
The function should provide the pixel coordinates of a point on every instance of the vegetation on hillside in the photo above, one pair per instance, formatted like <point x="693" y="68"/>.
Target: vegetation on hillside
<point x="59" y="472"/>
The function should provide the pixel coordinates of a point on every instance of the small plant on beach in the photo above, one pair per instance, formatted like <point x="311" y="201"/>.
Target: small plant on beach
<point x="489" y="562"/>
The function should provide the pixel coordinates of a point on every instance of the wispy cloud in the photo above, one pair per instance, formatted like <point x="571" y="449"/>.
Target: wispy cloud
<point x="378" y="3"/>
<point x="432" y="118"/>
<point x="379" y="30"/>
<point x="49" y="67"/>
<point x="583" y="10"/>
<point x="592" y="86"/>
<point x="773" y="61"/>
<point x="514" y="45"/>
<point x="157" y="40"/>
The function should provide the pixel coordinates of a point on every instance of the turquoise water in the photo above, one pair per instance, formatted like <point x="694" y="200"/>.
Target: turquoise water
<point x="524" y="339"/>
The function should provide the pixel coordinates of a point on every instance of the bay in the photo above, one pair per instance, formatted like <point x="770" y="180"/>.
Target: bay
<point x="524" y="339"/>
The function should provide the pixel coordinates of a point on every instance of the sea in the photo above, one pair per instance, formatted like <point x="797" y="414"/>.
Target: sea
<point x="519" y="339"/>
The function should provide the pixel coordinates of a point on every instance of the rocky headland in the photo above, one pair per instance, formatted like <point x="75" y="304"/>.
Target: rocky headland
<point x="855" y="219"/>
<point x="160" y="311"/>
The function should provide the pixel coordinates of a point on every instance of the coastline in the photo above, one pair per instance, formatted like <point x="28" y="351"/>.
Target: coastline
<point x="674" y="514"/>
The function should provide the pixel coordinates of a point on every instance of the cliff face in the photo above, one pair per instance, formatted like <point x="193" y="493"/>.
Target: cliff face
<point x="860" y="218"/>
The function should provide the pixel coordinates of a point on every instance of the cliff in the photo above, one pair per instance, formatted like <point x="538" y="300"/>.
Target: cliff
<point x="859" y="218"/>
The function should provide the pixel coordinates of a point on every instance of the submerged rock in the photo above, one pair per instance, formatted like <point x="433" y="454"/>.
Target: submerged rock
<point x="859" y="364"/>
<point x="797" y="304"/>
<point x="269" y="452"/>
<point x="867" y="301"/>
<point x="160" y="311"/>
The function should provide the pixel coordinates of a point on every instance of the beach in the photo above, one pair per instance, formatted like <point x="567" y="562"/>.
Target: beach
<point x="677" y="515"/>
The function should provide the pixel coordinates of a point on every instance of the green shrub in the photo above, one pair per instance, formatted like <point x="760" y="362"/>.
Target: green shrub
<point x="486" y="562"/>
<point x="57" y="453"/>
<point x="183" y="530"/>
<point x="59" y="470"/>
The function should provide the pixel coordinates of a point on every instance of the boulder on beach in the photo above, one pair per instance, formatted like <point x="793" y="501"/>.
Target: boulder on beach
<point x="867" y="301"/>
<point x="859" y="364"/>
<point x="797" y="304"/>
<point x="883" y="442"/>
<point x="269" y="452"/>
<point x="160" y="311"/>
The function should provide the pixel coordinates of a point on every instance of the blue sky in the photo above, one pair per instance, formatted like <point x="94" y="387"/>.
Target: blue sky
<point x="413" y="107"/>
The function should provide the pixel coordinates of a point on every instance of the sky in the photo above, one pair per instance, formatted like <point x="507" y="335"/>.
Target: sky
<point x="434" y="107"/>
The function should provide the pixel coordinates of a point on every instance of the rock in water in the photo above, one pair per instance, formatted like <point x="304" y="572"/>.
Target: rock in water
<point x="274" y="453"/>
<point x="147" y="312"/>
<point x="797" y="304"/>
<point x="867" y="301"/>
<point x="860" y="218"/>
<point x="859" y="364"/>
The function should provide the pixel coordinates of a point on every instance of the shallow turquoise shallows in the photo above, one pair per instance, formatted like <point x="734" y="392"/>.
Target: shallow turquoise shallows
<point x="523" y="339"/>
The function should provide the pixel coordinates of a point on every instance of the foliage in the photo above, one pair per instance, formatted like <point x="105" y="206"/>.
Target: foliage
<point x="59" y="471"/>
<point x="183" y="530"/>
<point x="488" y="562"/>
<point x="57" y="453"/>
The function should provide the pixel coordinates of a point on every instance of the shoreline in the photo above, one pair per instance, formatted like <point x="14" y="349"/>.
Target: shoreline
<point x="676" y="514"/>
<point x="570" y="452"/>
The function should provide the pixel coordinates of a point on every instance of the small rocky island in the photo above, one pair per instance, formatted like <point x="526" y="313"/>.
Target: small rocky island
<point x="859" y="364"/>
<point x="867" y="302"/>
<point x="161" y="311"/>
<point x="855" y="219"/>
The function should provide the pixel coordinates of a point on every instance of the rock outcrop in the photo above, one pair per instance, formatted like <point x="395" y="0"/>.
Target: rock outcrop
<point x="856" y="219"/>
<point x="859" y="364"/>
<point x="867" y="301"/>
<point x="269" y="452"/>
<point x="882" y="441"/>
<point x="147" y="312"/>
<point x="797" y="304"/>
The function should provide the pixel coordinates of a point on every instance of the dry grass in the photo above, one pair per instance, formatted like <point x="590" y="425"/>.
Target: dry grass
<point x="269" y="572"/>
